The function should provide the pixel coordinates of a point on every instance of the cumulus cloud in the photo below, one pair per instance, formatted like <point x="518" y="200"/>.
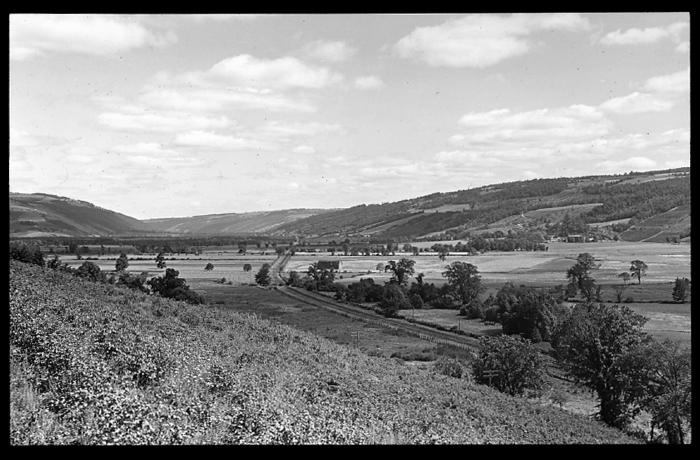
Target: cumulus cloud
<point x="281" y="73"/>
<point x="154" y="121"/>
<point x="628" y="164"/>
<point x="33" y="35"/>
<point x="304" y="149"/>
<point x="482" y="40"/>
<point x="331" y="51"/>
<point x="648" y="35"/>
<point x="368" y="82"/>
<point x="293" y="129"/>
<point x="502" y="126"/>
<point x="213" y="140"/>
<point x="637" y="103"/>
<point x="678" y="82"/>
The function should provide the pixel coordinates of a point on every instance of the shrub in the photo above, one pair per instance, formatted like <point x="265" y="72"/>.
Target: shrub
<point x="510" y="364"/>
<point x="91" y="271"/>
<point x="416" y="301"/>
<point x="680" y="289"/>
<point x="448" y="366"/>
<point x="473" y="310"/>
<point x="134" y="281"/>
<point x="172" y="286"/>
<point x="26" y="253"/>
<point x="393" y="300"/>
<point x="532" y="313"/>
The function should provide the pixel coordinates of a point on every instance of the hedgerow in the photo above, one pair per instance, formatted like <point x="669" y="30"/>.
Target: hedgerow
<point x="93" y="363"/>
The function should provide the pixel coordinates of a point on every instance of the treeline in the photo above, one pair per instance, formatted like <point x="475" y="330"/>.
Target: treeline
<point x="168" y="285"/>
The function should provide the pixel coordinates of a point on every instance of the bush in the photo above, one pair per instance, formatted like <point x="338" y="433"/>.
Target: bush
<point x="262" y="277"/>
<point x="393" y="300"/>
<point x="473" y="310"/>
<point x="172" y="286"/>
<point x="91" y="271"/>
<point x="416" y="301"/>
<point x="26" y="253"/>
<point x="510" y="364"/>
<point x="680" y="289"/>
<point x="134" y="281"/>
<point x="532" y="313"/>
<point x="449" y="367"/>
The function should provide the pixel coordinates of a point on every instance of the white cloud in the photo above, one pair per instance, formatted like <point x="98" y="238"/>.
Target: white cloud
<point x="219" y="141"/>
<point x="368" y="82"/>
<point x="648" y="35"/>
<point x="683" y="47"/>
<point x="629" y="164"/>
<point x="304" y="149"/>
<point x="482" y="40"/>
<point x="331" y="51"/>
<point x="285" y="130"/>
<point x="637" y="103"/>
<point x="34" y="35"/>
<point x="678" y="82"/>
<point x="148" y="120"/>
<point x="542" y="126"/>
<point x="281" y="73"/>
<point x="145" y="148"/>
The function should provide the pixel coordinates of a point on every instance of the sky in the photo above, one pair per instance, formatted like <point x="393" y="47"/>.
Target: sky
<point x="181" y="115"/>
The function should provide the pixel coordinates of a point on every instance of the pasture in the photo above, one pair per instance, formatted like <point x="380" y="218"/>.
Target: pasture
<point x="546" y="268"/>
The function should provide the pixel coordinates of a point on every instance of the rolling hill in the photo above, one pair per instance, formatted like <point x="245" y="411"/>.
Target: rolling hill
<point x="646" y="206"/>
<point x="39" y="214"/>
<point x="232" y="223"/>
<point x="535" y="204"/>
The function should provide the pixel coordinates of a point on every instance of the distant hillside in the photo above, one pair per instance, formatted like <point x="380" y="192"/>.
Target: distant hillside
<point x="93" y="363"/>
<point x="623" y="199"/>
<point x="216" y="224"/>
<point x="669" y="225"/>
<point x="39" y="214"/>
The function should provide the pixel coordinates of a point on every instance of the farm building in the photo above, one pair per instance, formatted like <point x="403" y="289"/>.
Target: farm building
<point x="329" y="265"/>
<point x="575" y="239"/>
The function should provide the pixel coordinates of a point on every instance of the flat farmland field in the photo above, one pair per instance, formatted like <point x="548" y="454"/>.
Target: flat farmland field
<point x="665" y="262"/>
<point x="227" y="265"/>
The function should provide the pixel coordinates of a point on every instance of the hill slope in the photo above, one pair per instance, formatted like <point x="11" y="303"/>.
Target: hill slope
<point x="217" y="224"/>
<point x="598" y="199"/>
<point x="95" y="364"/>
<point x="39" y="214"/>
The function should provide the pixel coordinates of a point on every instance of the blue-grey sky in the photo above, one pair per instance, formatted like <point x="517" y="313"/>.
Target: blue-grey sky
<point x="164" y="115"/>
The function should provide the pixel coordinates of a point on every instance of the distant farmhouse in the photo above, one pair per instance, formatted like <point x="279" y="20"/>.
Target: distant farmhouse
<point x="575" y="239"/>
<point x="329" y="265"/>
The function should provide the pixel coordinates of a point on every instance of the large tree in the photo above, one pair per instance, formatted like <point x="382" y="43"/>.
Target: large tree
<point x="262" y="277"/>
<point x="638" y="269"/>
<point x="668" y="393"/>
<point x="579" y="275"/>
<point x="160" y="260"/>
<point x="463" y="281"/>
<point x="122" y="263"/>
<point x="401" y="270"/>
<point x="598" y="345"/>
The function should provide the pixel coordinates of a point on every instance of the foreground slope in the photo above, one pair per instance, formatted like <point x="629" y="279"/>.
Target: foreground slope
<point x="39" y="214"/>
<point x="94" y="364"/>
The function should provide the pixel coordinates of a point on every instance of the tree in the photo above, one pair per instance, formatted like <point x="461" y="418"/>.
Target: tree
<point x="443" y="253"/>
<point x="321" y="278"/>
<point x="172" y="286"/>
<point x="598" y="345"/>
<point x="579" y="275"/>
<point x="122" y="262"/>
<point x="209" y="267"/>
<point x="638" y="269"/>
<point x="668" y="397"/>
<point x="510" y="364"/>
<point x="625" y="277"/>
<point x="160" y="260"/>
<point x="532" y="313"/>
<point x="680" y="289"/>
<point x="463" y="281"/>
<point x="393" y="299"/>
<point x="380" y="267"/>
<point x="90" y="271"/>
<point x="293" y="279"/>
<point x="247" y="267"/>
<point x="263" y="276"/>
<point x="401" y="270"/>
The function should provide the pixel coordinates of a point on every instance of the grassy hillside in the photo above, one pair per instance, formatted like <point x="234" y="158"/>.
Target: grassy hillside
<point x="39" y="214"/>
<point x="674" y="223"/>
<point x="597" y="199"/>
<point x="243" y="223"/>
<point x="95" y="364"/>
